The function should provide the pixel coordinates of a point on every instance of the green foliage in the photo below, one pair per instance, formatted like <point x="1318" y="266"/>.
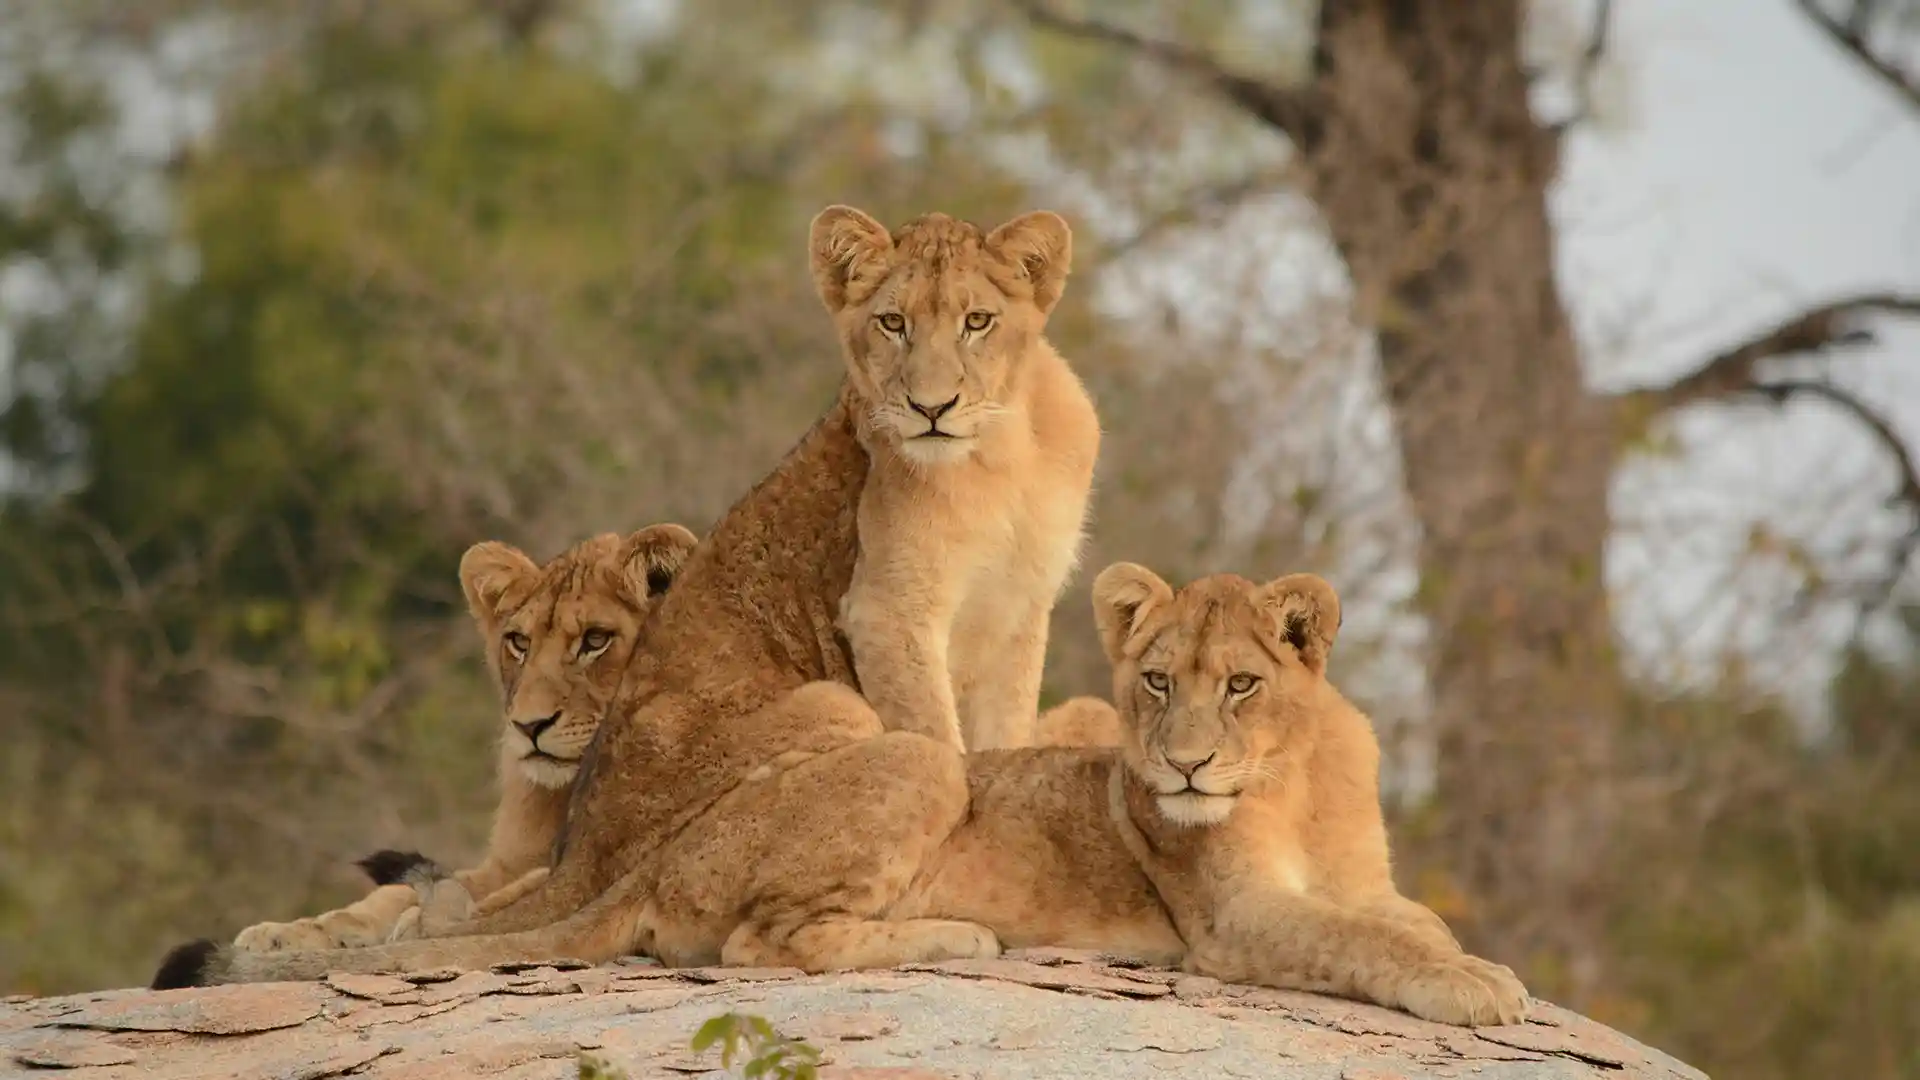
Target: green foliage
<point x="70" y="230"/>
<point x="1774" y="926"/>
<point x="762" y="1050"/>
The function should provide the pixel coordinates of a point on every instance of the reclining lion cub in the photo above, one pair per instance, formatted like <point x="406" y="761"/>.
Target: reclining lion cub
<point x="743" y="803"/>
<point x="1251" y="799"/>
<point x="1237" y="831"/>
<point x="557" y="639"/>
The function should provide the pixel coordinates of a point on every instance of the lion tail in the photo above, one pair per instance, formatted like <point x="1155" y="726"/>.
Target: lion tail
<point x="614" y="925"/>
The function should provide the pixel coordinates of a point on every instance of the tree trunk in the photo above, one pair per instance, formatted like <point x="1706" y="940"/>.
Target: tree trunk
<point x="1433" y="176"/>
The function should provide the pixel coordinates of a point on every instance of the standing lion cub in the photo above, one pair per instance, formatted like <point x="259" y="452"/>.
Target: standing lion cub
<point x="982" y="444"/>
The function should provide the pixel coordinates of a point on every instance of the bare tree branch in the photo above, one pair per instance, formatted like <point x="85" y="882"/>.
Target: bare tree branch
<point x="1851" y="36"/>
<point x="1589" y="62"/>
<point x="1295" y="111"/>
<point x="1733" y="374"/>
<point x="1831" y="325"/>
<point x="1881" y="428"/>
<point x="1206" y="205"/>
<point x="1877" y="593"/>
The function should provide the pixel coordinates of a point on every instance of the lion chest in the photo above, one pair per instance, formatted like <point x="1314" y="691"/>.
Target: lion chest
<point x="1018" y="562"/>
<point x="1013" y="564"/>
<point x="976" y="542"/>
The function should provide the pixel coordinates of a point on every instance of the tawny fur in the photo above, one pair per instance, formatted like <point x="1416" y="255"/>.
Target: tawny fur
<point x="1078" y="721"/>
<point x="1251" y="799"/>
<point x="557" y="639"/>
<point x="982" y="443"/>
<point x="591" y="585"/>
<point x="1039" y="862"/>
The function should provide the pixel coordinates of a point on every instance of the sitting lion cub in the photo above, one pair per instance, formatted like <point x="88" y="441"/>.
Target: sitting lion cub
<point x="1250" y="798"/>
<point x="557" y="640"/>
<point x="982" y="444"/>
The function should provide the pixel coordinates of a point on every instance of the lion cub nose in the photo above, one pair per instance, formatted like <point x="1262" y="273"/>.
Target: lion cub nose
<point x="1188" y="766"/>
<point x="532" y="729"/>
<point x="934" y="412"/>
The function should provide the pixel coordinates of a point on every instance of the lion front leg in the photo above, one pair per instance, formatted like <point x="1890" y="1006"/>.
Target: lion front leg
<point x="511" y="892"/>
<point x="1297" y="942"/>
<point x="1411" y="913"/>
<point x="899" y="630"/>
<point x="997" y="670"/>
<point x="367" y="921"/>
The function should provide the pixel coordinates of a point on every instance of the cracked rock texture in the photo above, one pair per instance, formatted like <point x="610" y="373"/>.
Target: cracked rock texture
<point x="1038" y="1013"/>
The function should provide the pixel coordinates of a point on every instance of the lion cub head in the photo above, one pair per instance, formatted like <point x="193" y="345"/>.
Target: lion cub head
<point x="558" y="636"/>
<point x="935" y="317"/>
<point x="1218" y="684"/>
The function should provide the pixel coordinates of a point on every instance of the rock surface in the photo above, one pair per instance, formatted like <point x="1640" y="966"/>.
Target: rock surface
<point x="1040" y="1013"/>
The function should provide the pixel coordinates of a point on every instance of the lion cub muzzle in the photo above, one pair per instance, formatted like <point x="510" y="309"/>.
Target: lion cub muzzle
<point x="531" y="730"/>
<point x="545" y="756"/>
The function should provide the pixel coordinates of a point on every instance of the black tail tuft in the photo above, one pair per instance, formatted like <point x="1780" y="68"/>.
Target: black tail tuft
<point x="400" y="867"/>
<point x="186" y="965"/>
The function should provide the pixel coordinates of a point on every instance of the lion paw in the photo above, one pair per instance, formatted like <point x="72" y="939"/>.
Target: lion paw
<point x="1506" y="986"/>
<point x="406" y="927"/>
<point x="972" y="942"/>
<point x="1464" y="990"/>
<point x="304" y="935"/>
<point x="956" y="940"/>
<point x="445" y="904"/>
<point x="281" y="937"/>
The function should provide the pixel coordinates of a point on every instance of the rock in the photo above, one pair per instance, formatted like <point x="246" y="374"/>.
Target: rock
<point x="845" y="1027"/>
<point x="1052" y="976"/>
<point x="73" y="1051"/>
<point x="218" y="1010"/>
<point x="384" y="988"/>
<point x="1041" y="1013"/>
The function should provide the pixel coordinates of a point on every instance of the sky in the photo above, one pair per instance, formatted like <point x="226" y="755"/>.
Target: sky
<point x="1748" y="170"/>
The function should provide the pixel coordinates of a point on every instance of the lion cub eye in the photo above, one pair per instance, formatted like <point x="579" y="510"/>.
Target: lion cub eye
<point x="594" y="640"/>
<point x="517" y="644"/>
<point x="1242" y="684"/>
<point x="978" y="321"/>
<point x="1156" y="682"/>
<point x="892" y="322"/>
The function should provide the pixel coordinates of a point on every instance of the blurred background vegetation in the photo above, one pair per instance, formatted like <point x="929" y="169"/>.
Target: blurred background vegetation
<point x="298" y="298"/>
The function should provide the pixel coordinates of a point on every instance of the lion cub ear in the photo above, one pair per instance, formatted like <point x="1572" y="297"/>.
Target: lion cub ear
<point x="1041" y="245"/>
<point x="846" y="248"/>
<point x="1123" y="596"/>
<point x="1308" y="612"/>
<point x="487" y="571"/>
<point x="650" y="558"/>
